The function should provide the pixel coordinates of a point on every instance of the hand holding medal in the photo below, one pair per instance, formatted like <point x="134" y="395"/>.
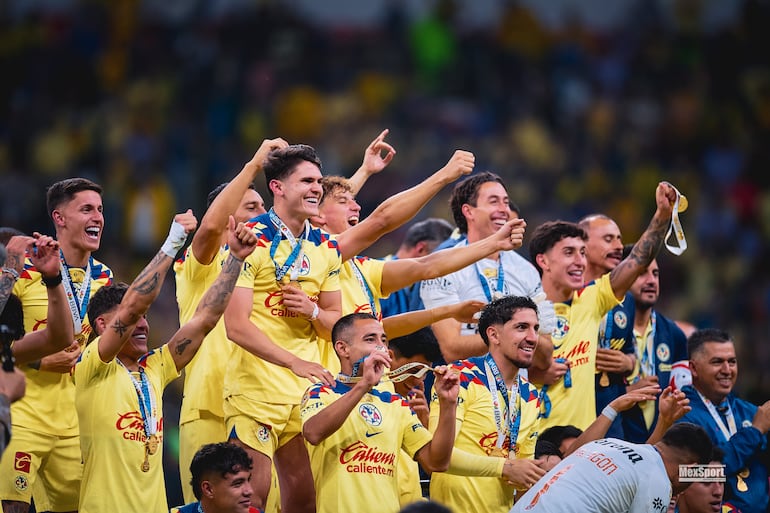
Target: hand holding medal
<point x="680" y="204"/>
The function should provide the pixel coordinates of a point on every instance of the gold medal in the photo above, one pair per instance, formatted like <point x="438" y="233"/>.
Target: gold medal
<point x="146" y="463"/>
<point x="152" y="444"/>
<point x="604" y="380"/>
<point x="498" y="452"/>
<point x="741" y="485"/>
<point x="683" y="203"/>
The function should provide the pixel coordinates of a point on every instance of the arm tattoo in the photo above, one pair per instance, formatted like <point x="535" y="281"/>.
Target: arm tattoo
<point x="6" y="287"/>
<point x="179" y="349"/>
<point x="219" y="293"/>
<point x="148" y="279"/>
<point x="119" y="328"/>
<point x="646" y="248"/>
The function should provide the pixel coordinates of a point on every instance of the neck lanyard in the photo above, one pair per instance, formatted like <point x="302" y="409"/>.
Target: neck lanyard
<point x="77" y="301"/>
<point x="727" y="430"/>
<point x="647" y="358"/>
<point x="294" y="260"/>
<point x="365" y="287"/>
<point x="498" y="292"/>
<point x="147" y="404"/>
<point x="605" y="336"/>
<point x="507" y="418"/>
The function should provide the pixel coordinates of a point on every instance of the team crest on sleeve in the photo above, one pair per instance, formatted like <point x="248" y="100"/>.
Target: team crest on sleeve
<point x="263" y="434"/>
<point x="663" y="352"/>
<point x="620" y="319"/>
<point x="370" y="414"/>
<point x="21" y="483"/>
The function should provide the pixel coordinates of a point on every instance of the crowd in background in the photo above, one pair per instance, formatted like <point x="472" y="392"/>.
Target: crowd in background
<point x="160" y="109"/>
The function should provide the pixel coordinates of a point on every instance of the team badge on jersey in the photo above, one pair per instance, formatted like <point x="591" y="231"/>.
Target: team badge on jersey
<point x="663" y="352"/>
<point x="21" y="483"/>
<point x="620" y="319"/>
<point x="304" y="266"/>
<point x="262" y="434"/>
<point x="370" y="414"/>
<point x="562" y="328"/>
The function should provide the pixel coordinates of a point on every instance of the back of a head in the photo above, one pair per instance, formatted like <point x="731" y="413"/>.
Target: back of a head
<point x="425" y="507"/>
<point x="12" y="320"/>
<point x="501" y="311"/>
<point x="467" y="192"/>
<point x="699" y="337"/>
<point x="548" y="234"/>
<point x="6" y="233"/>
<point x="220" y="459"/>
<point x="433" y="230"/>
<point x="691" y="439"/>
<point x="421" y="342"/>
<point x="280" y="163"/>
<point x="557" y="434"/>
<point x="217" y="190"/>
<point x="63" y="191"/>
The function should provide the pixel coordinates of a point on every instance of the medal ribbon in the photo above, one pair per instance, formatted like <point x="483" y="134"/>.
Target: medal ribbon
<point x="499" y="288"/>
<point x="676" y="226"/>
<point x="511" y="411"/>
<point x="77" y="301"/>
<point x="395" y="376"/>
<point x="544" y="400"/>
<point x="647" y="358"/>
<point x="727" y="430"/>
<point x="147" y="403"/>
<point x="365" y="287"/>
<point x="605" y="336"/>
<point x="294" y="242"/>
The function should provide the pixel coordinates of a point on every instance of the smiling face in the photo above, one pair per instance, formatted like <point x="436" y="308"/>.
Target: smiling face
<point x="714" y="369"/>
<point x="646" y="288"/>
<point x="80" y="221"/>
<point x="229" y="493"/>
<point x="364" y="337"/>
<point x="299" y="194"/>
<point x="492" y="210"/>
<point x="604" y="248"/>
<point x="563" y="266"/>
<point x="339" y="211"/>
<point x="515" y="340"/>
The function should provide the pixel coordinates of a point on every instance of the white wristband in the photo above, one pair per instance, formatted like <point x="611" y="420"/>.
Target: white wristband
<point x="609" y="412"/>
<point x="316" y="312"/>
<point x="175" y="240"/>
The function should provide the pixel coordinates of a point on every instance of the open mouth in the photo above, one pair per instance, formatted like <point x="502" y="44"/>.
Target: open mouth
<point x="353" y="220"/>
<point x="499" y="221"/>
<point x="93" y="232"/>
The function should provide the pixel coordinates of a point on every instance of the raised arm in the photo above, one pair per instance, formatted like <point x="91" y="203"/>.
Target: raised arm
<point x="400" y="208"/>
<point x="436" y="455"/>
<point x="187" y="340"/>
<point x="397" y="274"/>
<point x="409" y="322"/>
<point x="58" y="334"/>
<point x="327" y="421"/>
<point x="373" y="163"/>
<point x="144" y="289"/>
<point x="207" y="240"/>
<point x="648" y="245"/>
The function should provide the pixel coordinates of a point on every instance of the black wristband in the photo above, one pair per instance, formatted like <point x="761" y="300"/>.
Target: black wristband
<point x="52" y="283"/>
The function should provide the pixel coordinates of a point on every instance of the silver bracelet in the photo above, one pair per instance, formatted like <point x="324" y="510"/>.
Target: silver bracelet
<point x="12" y="272"/>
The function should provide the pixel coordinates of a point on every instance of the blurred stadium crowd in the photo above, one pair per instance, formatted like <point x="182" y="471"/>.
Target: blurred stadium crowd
<point x="159" y="102"/>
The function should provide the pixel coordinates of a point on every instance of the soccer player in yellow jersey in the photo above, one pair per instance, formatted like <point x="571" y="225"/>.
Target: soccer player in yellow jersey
<point x="284" y="301"/>
<point x="496" y="415"/>
<point x="558" y="250"/>
<point x="355" y="429"/>
<point x="202" y="420"/>
<point x="45" y="447"/>
<point x="120" y="384"/>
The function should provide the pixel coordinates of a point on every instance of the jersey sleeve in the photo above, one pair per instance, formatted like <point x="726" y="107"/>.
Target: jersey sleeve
<point x="416" y="436"/>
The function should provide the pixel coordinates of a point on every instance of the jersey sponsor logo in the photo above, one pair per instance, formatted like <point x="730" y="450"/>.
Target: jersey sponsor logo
<point x="546" y="486"/>
<point x="274" y="301"/>
<point x="359" y="457"/>
<point x="663" y="352"/>
<point x="370" y="414"/>
<point x="630" y="453"/>
<point x="602" y="461"/>
<point x="578" y="355"/>
<point x="659" y="505"/>
<point x="369" y="435"/>
<point x="620" y="319"/>
<point x="488" y="442"/>
<point x="22" y="462"/>
<point x="561" y="330"/>
<point x="39" y="324"/>
<point x="131" y="426"/>
<point x="435" y="284"/>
